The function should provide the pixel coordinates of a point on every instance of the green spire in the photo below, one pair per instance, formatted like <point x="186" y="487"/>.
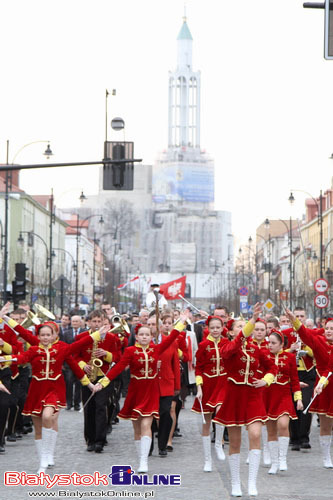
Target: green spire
<point x="184" y="33"/>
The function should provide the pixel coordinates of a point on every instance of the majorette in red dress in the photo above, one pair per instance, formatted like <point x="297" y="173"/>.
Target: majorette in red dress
<point x="243" y="361"/>
<point x="278" y="396"/>
<point x="143" y="397"/>
<point x="210" y="368"/>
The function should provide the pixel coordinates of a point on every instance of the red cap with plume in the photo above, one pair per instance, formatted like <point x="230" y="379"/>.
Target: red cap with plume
<point x="213" y="317"/>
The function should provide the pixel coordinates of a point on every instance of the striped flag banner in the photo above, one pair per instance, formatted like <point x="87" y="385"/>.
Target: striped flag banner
<point x="123" y="285"/>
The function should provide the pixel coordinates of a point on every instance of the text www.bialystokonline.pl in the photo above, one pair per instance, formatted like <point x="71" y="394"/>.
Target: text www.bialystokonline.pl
<point x="91" y="494"/>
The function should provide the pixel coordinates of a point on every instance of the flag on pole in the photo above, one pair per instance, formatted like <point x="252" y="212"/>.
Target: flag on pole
<point x="123" y="285"/>
<point x="173" y="289"/>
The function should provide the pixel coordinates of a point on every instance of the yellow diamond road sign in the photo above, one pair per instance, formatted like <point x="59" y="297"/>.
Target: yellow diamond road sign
<point x="269" y="305"/>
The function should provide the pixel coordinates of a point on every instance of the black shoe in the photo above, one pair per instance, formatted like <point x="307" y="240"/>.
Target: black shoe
<point x="163" y="453"/>
<point x="69" y="407"/>
<point x="296" y="447"/>
<point x="169" y="448"/>
<point x="27" y="429"/>
<point x="91" y="447"/>
<point x="2" y="449"/>
<point x="98" y="448"/>
<point x="77" y="408"/>
<point x="11" y="438"/>
<point x="18" y="435"/>
<point x="306" y="446"/>
<point x="177" y="434"/>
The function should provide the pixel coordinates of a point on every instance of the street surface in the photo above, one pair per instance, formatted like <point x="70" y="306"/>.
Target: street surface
<point x="305" y="479"/>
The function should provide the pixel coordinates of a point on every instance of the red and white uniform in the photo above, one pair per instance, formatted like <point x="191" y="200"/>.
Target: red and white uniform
<point x="244" y="362"/>
<point x="47" y="386"/>
<point x="143" y="395"/>
<point x="210" y="369"/>
<point x="169" y="373"/>
<point x="323" y="352"/>
<point x="278" y="396"/>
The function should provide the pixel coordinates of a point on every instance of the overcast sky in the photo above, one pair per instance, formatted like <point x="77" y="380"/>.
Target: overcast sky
<point x="266" y="93"/>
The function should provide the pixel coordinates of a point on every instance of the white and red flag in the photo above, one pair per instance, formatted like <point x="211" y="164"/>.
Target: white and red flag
<point x="123" y="285"/>
<point x="174" y="289"/>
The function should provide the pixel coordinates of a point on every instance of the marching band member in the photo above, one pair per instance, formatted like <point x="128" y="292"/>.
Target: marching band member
<point x="243" y="403"/>
<point x="278" y="401"/>
<point x="95" y="361"/>
<point x="46" y="393"/>
<point x="322" y="347"/>
<point x="211" y="384"/>
<point x="142" y="401"/>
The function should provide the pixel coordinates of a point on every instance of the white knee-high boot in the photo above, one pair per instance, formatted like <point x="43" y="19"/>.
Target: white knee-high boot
<point x="45" y="449"/>
<point x="234" y="464"/>
<point x="137" y="443"/>
<point x="145" y="443"/>
<point x="218" y="442"/>
<point x="53" y="443"/>
<point x="283" y="450"/>
<point x="274" y="454"/>
<point x="265" y="448"/>
<point x="254" y="461"/>
<point x="325" y="444"/>
<point x="207" y="454"/>
<point x="38" y="444"/>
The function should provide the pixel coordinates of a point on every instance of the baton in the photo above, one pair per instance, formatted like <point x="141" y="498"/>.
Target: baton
<point x="202" y="413"/>
<point x="85" y="404"/>
<point x="189" y="303"/>
<point x="314" y="397"/>
<point x="9" y="360"/>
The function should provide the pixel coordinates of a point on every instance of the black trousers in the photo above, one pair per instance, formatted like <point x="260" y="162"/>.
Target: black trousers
<point x="73" y="388"/>
<point x="95" y="415"/>
<point x="165" y="422"/>
<point x="6" y="400"/>
<point x="300" y="429"/>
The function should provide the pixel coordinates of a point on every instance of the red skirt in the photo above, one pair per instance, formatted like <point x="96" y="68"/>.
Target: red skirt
<point x="323" y="404"/>
<point x="213" y="391"/>
<point x="242" y="405"/>
<point x="278" y="401"/>
<point x="44" y="393"/>
<point x="142" y="400"/>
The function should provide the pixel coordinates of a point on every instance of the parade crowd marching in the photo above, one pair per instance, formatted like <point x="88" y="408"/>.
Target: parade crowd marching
<point x="266" y="373"/>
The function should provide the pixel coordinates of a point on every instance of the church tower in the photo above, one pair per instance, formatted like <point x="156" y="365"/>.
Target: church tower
<point x="184" y="96"/>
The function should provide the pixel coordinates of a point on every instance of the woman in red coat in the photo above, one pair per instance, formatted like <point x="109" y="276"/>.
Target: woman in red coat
<point x="278" y="401"/>
<point x="142" y="401"/>
<point x="248" y="368"/>
<point x="211" y="381"/>
<point x="322" y="347"/>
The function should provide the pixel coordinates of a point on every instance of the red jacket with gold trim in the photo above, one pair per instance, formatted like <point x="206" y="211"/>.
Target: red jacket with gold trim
<point x="209" y="361"/>
<point x="244" y="361"/>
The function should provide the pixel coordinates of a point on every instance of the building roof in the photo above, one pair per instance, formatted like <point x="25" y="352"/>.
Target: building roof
<point x="184" y="33"/>
<point x="14" y="188"/>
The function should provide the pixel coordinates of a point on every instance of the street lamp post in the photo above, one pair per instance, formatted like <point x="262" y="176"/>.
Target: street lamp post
<point x="8" y="184"/>
<point x="78" y="226"/>
<point x="20" y="240"/>
<point x="320" y="223"/>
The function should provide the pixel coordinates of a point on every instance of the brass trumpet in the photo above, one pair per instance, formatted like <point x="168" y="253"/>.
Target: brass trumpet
<point x="120" y="327"/>
<point x="31" y="320"/>
<point x="43" y="313"/>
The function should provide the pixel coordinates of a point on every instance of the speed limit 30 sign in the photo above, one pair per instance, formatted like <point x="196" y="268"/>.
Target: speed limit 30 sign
<point x="321" y="301"/>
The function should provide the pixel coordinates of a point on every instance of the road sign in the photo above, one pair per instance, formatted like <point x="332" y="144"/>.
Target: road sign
<point x="244" y="291"/>
<point x="269" y="305"/>
<point x="321" y="301"/>
<point x="243" y="306"/>
<point x="321" y="285"/>
<point x="242" y="298"/>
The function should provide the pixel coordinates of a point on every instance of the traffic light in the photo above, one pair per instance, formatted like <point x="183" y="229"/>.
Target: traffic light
<point x="19" y="284"/>
<point x="118" y="175"/>
<point x="328" y="29"/>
